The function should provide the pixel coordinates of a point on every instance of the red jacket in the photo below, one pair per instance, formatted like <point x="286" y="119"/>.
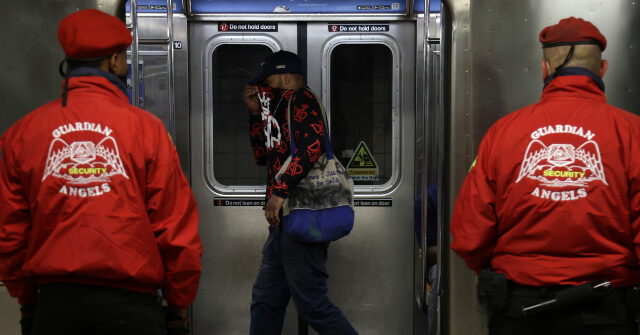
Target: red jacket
<point x="554" y="195"/>
<point x="93" y="194"/>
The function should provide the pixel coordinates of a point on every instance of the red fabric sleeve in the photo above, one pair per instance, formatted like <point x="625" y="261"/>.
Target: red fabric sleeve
<point x="15" y="225"/>
<point x="309" y="133"/>
<point x="474" y="221"/>
<point x="173" y="213"/>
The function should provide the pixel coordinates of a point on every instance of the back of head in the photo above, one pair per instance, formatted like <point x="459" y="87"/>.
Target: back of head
<point x="88" y="38"/>
<point x="573" y="42"/>
<point x="586" y="56"/>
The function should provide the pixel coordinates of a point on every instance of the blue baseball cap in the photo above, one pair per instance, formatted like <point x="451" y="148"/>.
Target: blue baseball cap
<point x="279" y="62"/>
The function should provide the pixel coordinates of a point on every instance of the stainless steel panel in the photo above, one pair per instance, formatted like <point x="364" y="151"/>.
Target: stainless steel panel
<point x="506" y="53"/>
<point x="371" y="269"/>
<point x="181" y="92"/>
<point x="461" y="313"/>
<point x="419" y="257"/>
<point x="154" y="57"/>
<point x="496" y="70"/>
<point x="232" y="236"/>
<point x="442" y="173"/>
<point x="429" y="149"/>
<point x="134" y="58"/>
<point x="300" y="17"/>
<point x="154" y="27"/>
<point x="9" y="313"/>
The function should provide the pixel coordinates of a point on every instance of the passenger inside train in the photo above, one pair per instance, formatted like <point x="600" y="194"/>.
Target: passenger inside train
<point x="291" y="128"/>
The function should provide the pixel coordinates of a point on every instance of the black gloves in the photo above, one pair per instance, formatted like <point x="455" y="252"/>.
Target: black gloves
<point x="176" y="325"/>
<point x="27" y="315"/>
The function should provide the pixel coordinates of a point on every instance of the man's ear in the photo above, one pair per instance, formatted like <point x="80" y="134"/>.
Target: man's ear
<point x="545" y="70"/>
<point x="604" y="65"/>
<point x="114" y="62"/>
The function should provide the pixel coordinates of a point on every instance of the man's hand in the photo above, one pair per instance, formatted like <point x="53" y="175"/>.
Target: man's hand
<point x="250" y="98"/>
<point x="177" y="322"/>
<point x="182" y="313"/>
<point x="272" y="210"/>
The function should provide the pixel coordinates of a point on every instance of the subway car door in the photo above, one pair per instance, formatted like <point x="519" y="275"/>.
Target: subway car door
<point x="365" y="73"/>
<point x="228" y="185"/>
<point x="366" y="78"/>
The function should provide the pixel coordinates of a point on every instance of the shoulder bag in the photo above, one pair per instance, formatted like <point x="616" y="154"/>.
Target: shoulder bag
<point x="320" y="208"/>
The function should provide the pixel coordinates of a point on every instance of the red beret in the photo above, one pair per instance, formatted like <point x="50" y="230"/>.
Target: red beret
<point x="572" y="31"/>
<point x="90" y="33"/>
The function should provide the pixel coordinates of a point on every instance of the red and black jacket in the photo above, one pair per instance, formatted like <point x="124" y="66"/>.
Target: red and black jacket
<point x="270" y="136"/>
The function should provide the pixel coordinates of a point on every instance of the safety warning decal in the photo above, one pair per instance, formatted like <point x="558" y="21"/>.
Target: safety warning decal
<point x="238" y="202"/>
<point x="362" y="165"/>
<point x="358" y="28"/>
<point x="247" y="27"/>
<point x="373" y="202"/>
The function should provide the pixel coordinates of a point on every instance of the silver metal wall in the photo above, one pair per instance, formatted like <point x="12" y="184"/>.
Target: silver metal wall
<point x="496" y="70"/>
<point x="31" y="54"/>
<point x="372" y="270"/>
<point x="172" y="107"/>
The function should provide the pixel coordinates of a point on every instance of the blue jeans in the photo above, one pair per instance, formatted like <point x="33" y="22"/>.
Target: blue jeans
<point x="294" y="270"/>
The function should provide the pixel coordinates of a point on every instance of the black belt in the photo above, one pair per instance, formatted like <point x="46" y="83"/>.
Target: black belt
<point x="570" y="296"/>
<point x="500" y="294"/>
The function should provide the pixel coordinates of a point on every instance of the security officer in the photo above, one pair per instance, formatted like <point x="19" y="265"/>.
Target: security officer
<point x="96" y="215"/>
<point x="552" y="203"/>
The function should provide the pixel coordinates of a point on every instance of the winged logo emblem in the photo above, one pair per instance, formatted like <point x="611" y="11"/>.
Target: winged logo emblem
<point x="559" y="165"/>
<point x="84" y="162"/>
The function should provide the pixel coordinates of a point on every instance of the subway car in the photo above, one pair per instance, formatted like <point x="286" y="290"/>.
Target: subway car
<point x="410" y="88"/>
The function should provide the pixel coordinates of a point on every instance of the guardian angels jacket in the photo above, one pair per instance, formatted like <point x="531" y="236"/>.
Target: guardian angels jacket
<point x="554" y="195"/>
<point x="93" y="194"/>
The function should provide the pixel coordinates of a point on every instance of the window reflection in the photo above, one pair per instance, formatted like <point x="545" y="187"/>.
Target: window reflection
<point x="232" y="66"/>
<point x="361" y="107"/>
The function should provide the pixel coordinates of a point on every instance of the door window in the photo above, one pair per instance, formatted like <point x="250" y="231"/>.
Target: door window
<point x="361" y="87"/>
<point x="232" y="65"/>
